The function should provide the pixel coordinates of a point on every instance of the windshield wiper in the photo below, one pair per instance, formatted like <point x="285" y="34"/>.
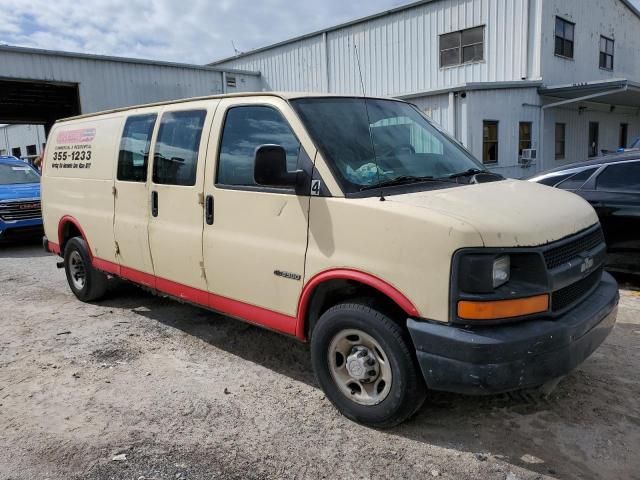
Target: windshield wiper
<point x="402" y="180"/>
<point x="468" y="173"/>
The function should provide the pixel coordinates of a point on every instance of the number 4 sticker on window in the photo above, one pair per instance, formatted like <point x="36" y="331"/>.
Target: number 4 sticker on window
<point x="315" y="188"/>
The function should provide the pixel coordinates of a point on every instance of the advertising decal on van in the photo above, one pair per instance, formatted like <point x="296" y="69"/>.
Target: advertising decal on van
<point x="73" y="149"/>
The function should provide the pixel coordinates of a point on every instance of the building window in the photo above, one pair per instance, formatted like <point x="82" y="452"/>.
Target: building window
<point x="231" y="81"/>
<point x="490" y="141"/>
<point x="16" y="152"/>
<point x="594" y="138"/>
<point x="606" y="53"/>
<point x="463" y="46"/>
<point x="524" y="137"/>
<point x="561" y="130"/>
<point x="31" y="150"/>
<point x="624" y="135"/>
<point x="564" y="38"/>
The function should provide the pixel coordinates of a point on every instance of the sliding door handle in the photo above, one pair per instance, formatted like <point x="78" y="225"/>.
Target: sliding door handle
<point x="208" y="210"/>
<point x="154" y="203"/>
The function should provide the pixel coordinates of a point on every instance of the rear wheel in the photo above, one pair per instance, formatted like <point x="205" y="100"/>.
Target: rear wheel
<point x="86" y="283"/>
<point x="364" y="363"/>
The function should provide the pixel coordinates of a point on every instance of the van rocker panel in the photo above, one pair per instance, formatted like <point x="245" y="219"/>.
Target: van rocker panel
<point x="496" y="359"/>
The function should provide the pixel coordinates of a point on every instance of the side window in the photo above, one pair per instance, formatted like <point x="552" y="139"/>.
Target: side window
<point x="576" y="181"/>
<point x="134" y="148"/>
<point x="175" y="159"/>
<point x="621" y="177"/>
<point x="245" y="129"/>
<point x="554" y="180"/>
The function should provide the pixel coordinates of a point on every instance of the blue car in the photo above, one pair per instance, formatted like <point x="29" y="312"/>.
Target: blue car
<point x="20" y="214"/>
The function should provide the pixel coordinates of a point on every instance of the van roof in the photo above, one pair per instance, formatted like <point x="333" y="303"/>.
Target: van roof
<point x="283" y="95"/>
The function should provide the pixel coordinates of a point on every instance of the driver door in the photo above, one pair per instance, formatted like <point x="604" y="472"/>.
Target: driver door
<point x="255" y="238"/>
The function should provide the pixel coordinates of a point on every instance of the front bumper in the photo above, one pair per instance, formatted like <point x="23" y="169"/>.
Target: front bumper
<point x="22" y="229"/>
<point x="495" y="359"/>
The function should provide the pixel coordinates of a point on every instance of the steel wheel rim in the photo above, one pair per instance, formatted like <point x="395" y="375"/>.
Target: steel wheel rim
<point x="77" y="270"/>
<point x="345" y="360"/>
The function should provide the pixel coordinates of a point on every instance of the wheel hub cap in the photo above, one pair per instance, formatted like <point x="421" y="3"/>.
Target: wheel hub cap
<point x="362" y="365"/>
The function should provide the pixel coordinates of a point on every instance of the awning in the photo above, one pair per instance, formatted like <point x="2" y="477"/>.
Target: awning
<point x="610" y="92"/>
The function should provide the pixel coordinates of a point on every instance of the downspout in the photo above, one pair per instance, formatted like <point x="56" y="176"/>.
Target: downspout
<point x="525" y="53"/>
<point x="453" y="117"/>
<point x="325" y="42"/>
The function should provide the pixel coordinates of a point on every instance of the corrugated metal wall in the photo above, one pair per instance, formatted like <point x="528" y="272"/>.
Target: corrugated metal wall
<point x="592" y="19"/>
<point x="399" y="52"/>
<point x="14" y="136"/>
<point x="577" y="130"/>
<point x="108" y="83"/>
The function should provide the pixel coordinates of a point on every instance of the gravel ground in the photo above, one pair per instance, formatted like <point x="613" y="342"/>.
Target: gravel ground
<point x="140" y="387"/>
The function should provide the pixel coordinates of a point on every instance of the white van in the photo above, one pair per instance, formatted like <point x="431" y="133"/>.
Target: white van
<point x="352" y="223"/>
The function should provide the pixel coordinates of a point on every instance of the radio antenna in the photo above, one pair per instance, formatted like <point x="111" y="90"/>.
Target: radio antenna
<point x="366" y="109"/>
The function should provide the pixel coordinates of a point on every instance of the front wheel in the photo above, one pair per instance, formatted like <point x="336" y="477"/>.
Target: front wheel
<point x="365" y="366"/>
<point x="86" y="282"/>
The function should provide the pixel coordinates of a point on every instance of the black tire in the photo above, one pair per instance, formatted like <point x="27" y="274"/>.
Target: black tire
<point x="408" y="389"/>
<point x="95" y="282"/>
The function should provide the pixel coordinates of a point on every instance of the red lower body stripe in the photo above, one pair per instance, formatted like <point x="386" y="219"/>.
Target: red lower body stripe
<point x="250" y="313"/>
<point x="53" y="248"/>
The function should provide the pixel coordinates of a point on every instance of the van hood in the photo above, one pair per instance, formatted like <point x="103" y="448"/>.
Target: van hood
<point x="510" y="212"/>
<point x="19" y="191"/>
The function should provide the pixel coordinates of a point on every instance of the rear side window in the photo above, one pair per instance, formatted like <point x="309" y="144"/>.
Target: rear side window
<point x="134" y="148"/>
<point x="245" y="129"/>
<point x="175" y="159"/>
<point x="576" y="181"/>
<point x="554" y="180"/>
<point x="621" y="177"/>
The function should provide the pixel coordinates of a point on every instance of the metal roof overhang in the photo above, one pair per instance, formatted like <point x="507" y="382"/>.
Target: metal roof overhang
<point x="609" y="92"/>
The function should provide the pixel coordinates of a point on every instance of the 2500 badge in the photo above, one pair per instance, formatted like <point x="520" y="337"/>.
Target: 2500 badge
<point x="80" y="156"/>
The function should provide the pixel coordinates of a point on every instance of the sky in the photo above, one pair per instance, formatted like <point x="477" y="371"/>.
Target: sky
<point x="190" y="31"/>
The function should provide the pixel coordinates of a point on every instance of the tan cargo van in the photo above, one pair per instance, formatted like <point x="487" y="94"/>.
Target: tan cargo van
<point x="352" y="223"/>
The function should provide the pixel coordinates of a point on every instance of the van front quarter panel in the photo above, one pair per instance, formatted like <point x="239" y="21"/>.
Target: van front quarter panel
<point x="408" y="248"/>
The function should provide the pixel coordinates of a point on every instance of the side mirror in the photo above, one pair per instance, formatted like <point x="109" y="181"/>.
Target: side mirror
<point x="270" y="167"/>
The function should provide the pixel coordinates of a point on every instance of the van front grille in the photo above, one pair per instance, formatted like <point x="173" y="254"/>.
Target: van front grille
<point x="569" y="295"/>
<point x="556" y="256"/>
<point x="20" y="210"/>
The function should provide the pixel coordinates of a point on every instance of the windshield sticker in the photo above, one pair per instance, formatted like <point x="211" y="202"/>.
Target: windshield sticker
<point x="20" y="169"/>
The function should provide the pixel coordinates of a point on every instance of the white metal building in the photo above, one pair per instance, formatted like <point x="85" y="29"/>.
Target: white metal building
<point x="41" y="86"/>
<point x="21" y="140"/>
<point x="561" y="77"/>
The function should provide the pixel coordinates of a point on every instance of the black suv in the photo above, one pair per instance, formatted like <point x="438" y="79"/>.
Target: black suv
<point x="611" y="185"/>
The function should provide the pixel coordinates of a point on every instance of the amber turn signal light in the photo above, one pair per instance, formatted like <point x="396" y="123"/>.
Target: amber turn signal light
<point x="495" y="310"/>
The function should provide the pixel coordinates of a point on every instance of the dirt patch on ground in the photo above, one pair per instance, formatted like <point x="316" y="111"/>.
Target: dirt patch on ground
<point x="174" y="392"/>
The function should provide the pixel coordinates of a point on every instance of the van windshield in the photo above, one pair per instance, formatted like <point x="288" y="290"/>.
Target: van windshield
<point x="15" y="173"/>
<point x="371" y="142"/>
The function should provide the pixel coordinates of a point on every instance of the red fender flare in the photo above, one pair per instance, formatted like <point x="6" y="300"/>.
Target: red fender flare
<point x="62" y="223"/>
<point x="349" y="274"/>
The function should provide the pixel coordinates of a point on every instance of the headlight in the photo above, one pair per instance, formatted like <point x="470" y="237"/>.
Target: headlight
<point x="482" y="273"/>
<point x="501" y="270"/>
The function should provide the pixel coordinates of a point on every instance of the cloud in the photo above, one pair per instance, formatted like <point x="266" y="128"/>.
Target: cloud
<point x="194" y="31"/>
